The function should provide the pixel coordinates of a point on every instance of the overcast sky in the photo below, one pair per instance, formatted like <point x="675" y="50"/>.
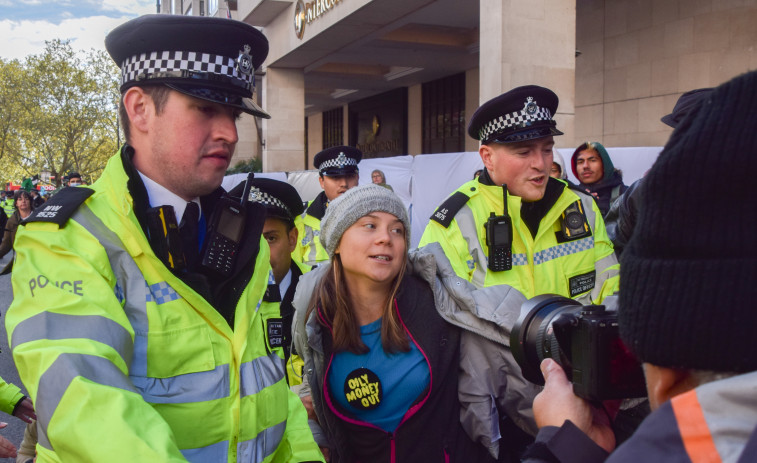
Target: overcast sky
<point x="26" y="24"/>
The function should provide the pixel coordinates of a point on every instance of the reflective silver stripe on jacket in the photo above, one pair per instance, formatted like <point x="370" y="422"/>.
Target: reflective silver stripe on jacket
<point x="264" y="444"/>
<point x="56" y="379"/>
<point x="466" y="222"/>
<point x="604" y="273"/>
<point x="587" y="202"/>
<point x="260" y="373"/>
<point x="602" y="264"/>
<point x="129" y="280"/>
<point x="192" y="387"/>
<point x="50" y="325"/>
<point x="212" y="453"/>
<point x="310" y="234"/>
<point x="564" y="249"/>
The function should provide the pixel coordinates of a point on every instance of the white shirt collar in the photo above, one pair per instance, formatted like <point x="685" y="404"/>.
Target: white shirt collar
<point x="158" y="195"/>
<point x="284" y="285"/>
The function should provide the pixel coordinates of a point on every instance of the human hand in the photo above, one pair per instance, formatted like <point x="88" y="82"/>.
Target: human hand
<point x="557" y="403"/>
<point x="7" y="450"/>
<point x="307" y="401"/>
<point x="25" y="411"/>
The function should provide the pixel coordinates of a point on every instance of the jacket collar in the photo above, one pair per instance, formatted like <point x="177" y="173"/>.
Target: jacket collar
<point x="318" y="206"/>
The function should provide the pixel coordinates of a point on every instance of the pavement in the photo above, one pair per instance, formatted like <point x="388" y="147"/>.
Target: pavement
<point x="14" y="432"/>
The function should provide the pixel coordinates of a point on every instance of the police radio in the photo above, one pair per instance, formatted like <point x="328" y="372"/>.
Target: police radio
<point x="225" y="232"/>
<point x="499" y="239"/>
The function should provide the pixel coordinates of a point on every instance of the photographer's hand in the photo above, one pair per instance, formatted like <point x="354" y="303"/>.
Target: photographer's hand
<point x="557" y="403"/>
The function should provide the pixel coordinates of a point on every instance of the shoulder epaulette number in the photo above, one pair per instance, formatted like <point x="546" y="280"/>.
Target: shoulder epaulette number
<point x="60" y="207"/>
<point x="449" y="208"/>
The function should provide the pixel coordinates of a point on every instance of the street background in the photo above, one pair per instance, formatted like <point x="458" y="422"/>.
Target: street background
<point x="14" y="432"/>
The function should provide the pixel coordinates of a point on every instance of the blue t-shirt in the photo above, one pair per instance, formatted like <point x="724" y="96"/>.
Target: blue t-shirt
<point x="377" y="387"/>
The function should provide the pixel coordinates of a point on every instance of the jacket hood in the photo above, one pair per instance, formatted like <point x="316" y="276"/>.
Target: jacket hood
<point x="558" y="159"/>
<point x="609" y="168"/>
<point x="729" y="407"/>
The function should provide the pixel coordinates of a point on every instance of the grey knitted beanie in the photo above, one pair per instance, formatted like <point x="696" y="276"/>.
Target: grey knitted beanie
<point x="354" y="204"/>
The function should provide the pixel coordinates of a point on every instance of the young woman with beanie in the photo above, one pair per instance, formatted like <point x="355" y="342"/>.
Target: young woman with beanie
<point x="382" y="361"/>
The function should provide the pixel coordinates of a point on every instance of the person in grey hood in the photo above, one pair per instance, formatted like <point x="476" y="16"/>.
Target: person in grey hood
<point x="558" y="166"/>
<point x="597" y="175"/>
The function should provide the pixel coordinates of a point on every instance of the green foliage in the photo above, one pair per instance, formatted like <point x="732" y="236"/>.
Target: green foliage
<point x="251" y="165"/>
<point x="58" y="112"/>
<point x="11" y="104"/>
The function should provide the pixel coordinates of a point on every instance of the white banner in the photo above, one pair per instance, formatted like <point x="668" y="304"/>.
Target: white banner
<point x="423" y="182"/>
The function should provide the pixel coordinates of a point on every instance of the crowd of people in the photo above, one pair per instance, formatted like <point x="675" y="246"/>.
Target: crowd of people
<point x="157" y="317"/>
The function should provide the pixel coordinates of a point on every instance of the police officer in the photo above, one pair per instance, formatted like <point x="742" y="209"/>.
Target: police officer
<point x="337" y="173"/>
<point x="549" y="238"/>
<point x="3" y="214"/>
<point x="7" y="204"/>
<point x="120" y="326"/>
<point x="282" y="205"/>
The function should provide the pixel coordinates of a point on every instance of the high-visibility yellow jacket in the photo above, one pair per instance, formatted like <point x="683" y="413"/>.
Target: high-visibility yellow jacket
<point x="125" y="362"/>
<point x="7" y="205"/>
<point x="584" y="268"/>
<point x="309" y="250"/>
<point x="10" y="395"/>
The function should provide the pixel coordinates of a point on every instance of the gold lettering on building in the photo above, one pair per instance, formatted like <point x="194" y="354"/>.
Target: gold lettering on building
<point x="306" y="13"/>
<point x="379" y="146"/>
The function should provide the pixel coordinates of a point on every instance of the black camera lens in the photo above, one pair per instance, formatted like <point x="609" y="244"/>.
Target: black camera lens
<point x="574" y="220"/>
<point x="584" y="340"/>
<point x="533" y="336"/>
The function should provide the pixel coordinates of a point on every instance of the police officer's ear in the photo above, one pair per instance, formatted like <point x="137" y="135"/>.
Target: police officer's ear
<point x="486" y="152"/>
<point x="139" y="107"/>
<point x="292" y="235"/>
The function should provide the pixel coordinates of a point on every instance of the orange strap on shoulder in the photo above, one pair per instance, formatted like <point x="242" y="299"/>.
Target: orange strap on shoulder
<point x="694" y="430"/>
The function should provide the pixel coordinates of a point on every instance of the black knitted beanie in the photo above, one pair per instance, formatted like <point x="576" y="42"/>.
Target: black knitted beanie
<point x="688" y="277"/>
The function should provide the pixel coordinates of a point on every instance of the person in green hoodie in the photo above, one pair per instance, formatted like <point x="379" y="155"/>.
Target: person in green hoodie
<point x="597" y="175"/>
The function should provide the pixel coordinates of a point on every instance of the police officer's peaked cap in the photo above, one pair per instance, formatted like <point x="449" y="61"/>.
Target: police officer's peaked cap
<point x="523" y="113"/>
<point x="280" y="199"/>
<point x="209" y="58"/>
<point x="338" y="160"/>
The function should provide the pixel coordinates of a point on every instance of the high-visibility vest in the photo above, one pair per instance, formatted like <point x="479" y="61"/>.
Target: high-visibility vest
<point x="309" y="250"/>
<point x="584" y="268"/>
<point x="8" y="207"/>
<point x="125" y="362"/>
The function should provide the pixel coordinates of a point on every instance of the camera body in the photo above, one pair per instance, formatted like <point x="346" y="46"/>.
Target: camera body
<point x="584" y="340"/>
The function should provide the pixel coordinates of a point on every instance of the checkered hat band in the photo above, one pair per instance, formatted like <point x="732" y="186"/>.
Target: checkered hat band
<point x="183" y="64"/>
<point x="516" y="119"/>
<point x="338" y="163"/>
<point x="257" y="196"/>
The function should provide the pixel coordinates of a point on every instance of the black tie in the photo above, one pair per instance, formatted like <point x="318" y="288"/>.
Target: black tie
<point x="188" y="229"/>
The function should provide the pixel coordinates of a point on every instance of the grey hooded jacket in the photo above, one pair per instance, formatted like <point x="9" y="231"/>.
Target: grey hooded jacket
<point x="490" y="381"/>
